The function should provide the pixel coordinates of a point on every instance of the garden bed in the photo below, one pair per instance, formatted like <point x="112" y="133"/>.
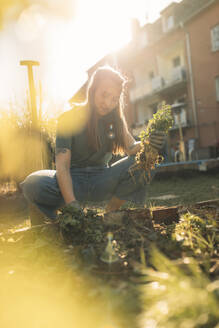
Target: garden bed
<point x="161" y="269"/>
<point x="164" y="272"/>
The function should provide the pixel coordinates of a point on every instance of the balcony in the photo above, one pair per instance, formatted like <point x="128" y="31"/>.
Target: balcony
<point x="157" y="83"/>
<point x="140" y="91"/>
<point x="178" y="74"/>
<point x="176" y="79"/>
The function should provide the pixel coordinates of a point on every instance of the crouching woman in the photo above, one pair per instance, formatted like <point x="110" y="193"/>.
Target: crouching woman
<point x="87" y="136"/>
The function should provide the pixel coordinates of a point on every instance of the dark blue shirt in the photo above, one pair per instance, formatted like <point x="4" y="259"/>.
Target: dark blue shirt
<point x="72" y="134"/>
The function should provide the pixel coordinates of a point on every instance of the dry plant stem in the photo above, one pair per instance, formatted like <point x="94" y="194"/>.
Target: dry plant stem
<point x="152" y="159"/>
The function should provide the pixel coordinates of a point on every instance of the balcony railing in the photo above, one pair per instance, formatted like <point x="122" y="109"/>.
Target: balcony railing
<point x="140" y="91"/>
<point x="157" y="83"/>
<point x="178" y="74"/>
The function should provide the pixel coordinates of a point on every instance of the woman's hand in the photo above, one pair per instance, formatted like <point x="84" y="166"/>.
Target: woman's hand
<point x="63" y="159"/>
<point x="74" y="205"/>
<point x="157" y="140"/>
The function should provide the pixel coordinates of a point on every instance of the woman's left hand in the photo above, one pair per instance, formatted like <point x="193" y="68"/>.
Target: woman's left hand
<point x="157" y="140"/>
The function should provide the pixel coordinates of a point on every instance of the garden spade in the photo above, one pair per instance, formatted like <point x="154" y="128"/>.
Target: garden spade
<point x="32" y="90"/>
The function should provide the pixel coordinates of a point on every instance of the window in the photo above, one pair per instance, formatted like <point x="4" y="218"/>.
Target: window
<point x="169" y="23"/>
<point x="143" y="39"/>
<point x="176" y="61"/>
<point x="182" y="117"/>
<point x="217" y="87"/>
<point x="215" y="38"/>
<point x="151" y="75"/>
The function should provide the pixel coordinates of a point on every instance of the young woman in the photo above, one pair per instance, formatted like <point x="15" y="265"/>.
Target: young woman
<point x="87" y="136"/>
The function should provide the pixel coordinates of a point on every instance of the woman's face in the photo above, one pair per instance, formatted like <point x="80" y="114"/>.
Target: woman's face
<point x="106" y="96"/>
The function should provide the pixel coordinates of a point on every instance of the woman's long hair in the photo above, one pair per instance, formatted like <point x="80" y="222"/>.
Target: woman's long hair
<point x="117" y="119"/>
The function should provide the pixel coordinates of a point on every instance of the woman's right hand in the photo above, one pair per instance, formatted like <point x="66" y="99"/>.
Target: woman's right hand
<point x="73" y="205"/>
<point x="63" y="159"/>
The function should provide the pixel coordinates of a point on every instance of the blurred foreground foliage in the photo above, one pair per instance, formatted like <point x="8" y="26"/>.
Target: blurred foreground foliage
<point x="166" y="276"/>
<point x="10" y="5"/>
<point x="22" y="149"/>
<point x="12" y="9"/>
<point x="174" y="297"/>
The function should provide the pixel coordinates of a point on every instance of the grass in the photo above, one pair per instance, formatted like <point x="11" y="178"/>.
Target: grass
<point x="189" y="187"/>
<point x="184" y="188"/>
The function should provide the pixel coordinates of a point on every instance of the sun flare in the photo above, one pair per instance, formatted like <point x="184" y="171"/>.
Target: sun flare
<point x="74" y="46"/>
<point x="67" y="42"/>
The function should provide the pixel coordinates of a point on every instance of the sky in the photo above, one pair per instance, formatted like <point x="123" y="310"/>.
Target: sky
<point x="66" y="40"/>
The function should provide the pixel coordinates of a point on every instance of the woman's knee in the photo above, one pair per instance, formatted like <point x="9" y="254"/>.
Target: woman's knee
<point x="31" y="187"/>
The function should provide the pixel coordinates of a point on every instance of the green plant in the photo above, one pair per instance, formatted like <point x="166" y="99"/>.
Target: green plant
<point x="81" y="227"/>
<point x="148" y="157"/>
<point x="197" y="234"/>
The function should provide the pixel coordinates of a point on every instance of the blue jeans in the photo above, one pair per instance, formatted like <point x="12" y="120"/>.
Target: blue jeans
<point x="89" y="184"/>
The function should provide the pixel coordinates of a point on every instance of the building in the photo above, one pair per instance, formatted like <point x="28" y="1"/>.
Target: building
<point x="176" y="60"/>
